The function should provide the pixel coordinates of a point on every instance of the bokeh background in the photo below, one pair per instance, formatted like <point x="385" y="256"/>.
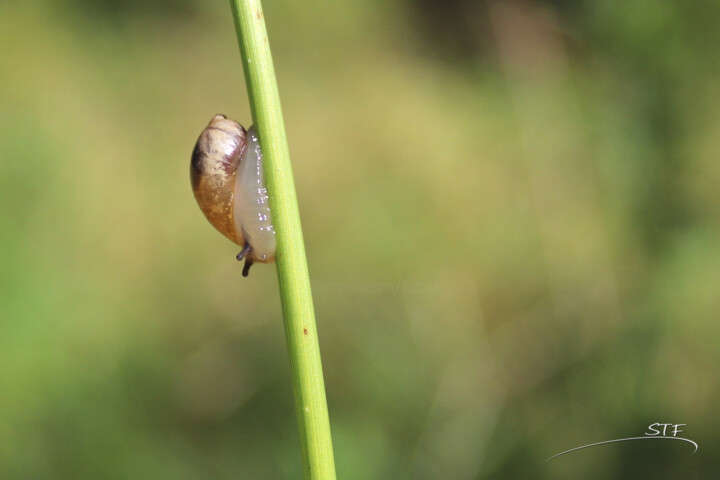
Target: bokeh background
<point x="511" y="211"/>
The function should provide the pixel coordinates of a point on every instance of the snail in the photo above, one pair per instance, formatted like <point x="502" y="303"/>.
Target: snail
<point x="226" y="173"/>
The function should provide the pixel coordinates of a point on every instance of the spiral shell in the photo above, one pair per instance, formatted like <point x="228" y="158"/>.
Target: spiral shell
<point x="226" y="172"/>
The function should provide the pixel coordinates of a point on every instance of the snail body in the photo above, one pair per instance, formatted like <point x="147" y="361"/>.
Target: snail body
<point x="226" y="172"/>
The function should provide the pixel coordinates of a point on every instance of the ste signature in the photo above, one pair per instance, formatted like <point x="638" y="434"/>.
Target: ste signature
<point x="654" y="433"/>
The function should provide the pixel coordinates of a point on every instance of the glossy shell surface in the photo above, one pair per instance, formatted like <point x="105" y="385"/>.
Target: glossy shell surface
<point x="226" y="172"/>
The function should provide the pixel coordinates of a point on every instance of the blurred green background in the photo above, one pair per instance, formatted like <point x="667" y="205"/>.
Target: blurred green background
<point x="511" y="210"/>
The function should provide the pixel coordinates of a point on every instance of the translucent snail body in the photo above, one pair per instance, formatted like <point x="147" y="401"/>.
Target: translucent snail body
<point x="226" y="172"/>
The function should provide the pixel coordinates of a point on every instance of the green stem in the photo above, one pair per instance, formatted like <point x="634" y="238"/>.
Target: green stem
<point x="293" y="278"/>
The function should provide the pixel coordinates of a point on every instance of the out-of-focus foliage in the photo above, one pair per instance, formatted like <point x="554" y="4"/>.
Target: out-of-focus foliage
<point x="512" y="217"/>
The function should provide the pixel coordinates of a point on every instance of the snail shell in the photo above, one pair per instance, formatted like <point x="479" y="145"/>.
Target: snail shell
<point x="226" y="173"/>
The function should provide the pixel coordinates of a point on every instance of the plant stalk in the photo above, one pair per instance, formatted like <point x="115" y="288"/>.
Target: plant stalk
<point x="293" y="278"/>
